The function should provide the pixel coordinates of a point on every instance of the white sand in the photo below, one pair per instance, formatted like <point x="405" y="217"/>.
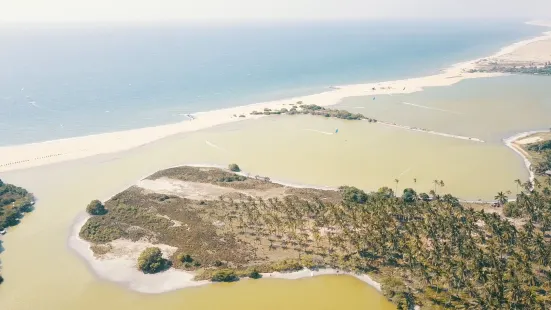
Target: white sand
<point x="122" y="269"/>
<point x="512" y="142"/>
<point x="42" y="153"/>
<point x="529" y="140"/>
<point x="306" y="273"/>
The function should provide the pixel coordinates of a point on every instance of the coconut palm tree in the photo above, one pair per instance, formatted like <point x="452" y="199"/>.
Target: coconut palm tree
<point x="436" y="183"/>
<point x="501" y="198"/>
<point x="396" y="181"/>
<point x="415" y="183"/>
<point x="518" y="183"/>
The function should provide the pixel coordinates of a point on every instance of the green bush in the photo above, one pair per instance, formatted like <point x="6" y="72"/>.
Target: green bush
<point x="151" y="261"/>
<point x="96" y="208"/>
<point x="232" y="178"/>
<point x="353" y="194"/>
<point x="1" y="279"/>
<point x="255" y="274"/>
<point x="224" y="275"/>
<point x="184" y="258"/>
<point x="234" y="168"/>
<point x="409" y="195"/>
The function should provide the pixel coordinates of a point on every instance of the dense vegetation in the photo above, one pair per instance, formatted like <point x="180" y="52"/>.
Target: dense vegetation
<point x="540" y="146"/>
<point x="430" y="251"/>
<point x="96" y="208"/>
<point x="536" y="70"/>
<point x="543" y="152"/>
<point x="313" y="109"/>
<point x="224" y="275"/>
<point x="437" y="253"/>
<point x="14" y="203"/>
<point x="151" y="261"/>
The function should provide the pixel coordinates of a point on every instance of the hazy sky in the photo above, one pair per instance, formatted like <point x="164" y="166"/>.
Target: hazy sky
<point x="155" y="10"/>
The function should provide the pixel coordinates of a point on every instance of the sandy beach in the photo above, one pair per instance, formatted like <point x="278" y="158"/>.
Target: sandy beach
<point x="42" y="153"/>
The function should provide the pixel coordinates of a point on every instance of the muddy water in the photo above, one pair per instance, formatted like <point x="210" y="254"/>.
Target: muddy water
<point x="42" y="273"/>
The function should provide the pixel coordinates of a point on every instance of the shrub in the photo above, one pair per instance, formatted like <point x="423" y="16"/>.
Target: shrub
<point x="232" y="178"/>
<point x="224" y="275"/>
<point x="234" y="168"/>
<point x="255" y="274"/>
<point x="353" y="194"/>
<point x="96" y="208"/>
<point x="151" y="261"/>
<point x="184" y="258"/>
<point x="1" y="279"/>
<point x="409" y="195"/>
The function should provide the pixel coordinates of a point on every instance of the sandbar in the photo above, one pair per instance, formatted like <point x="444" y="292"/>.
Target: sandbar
<point x="48" y="152"/>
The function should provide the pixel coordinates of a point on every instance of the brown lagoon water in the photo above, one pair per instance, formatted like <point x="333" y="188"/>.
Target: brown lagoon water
<point x="42" y="273"/>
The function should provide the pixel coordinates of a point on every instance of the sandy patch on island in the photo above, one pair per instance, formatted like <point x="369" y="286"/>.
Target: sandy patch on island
<point x="203" y="191"/>
<point x="529" y="140"/>
<point x="120" y="264"/>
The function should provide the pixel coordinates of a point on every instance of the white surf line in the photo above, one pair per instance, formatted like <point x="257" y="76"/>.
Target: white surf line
<point x="431" y="132"/>
<point x="319" y="131"/>
<point x="430" y="108"/>
<point x="509" y="143"/>
<point x="215" y="146"/>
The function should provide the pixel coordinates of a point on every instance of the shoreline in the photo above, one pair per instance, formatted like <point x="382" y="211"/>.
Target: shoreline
<point x="23" y="156"/>
<point x="124" y="272"/>
<point x="511" y="143"/>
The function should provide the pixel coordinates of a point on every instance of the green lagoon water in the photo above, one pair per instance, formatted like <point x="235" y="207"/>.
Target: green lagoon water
<point x="42" y="273"/>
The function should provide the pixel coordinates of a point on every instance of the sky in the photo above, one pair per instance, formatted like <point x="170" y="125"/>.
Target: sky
<point x="183" y="10"/>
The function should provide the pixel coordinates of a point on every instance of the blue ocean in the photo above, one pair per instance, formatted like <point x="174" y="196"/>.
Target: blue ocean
<point x="59" y="81"/>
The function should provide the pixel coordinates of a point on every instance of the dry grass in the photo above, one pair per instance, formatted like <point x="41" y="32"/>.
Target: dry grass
<point x="210" y="229"/>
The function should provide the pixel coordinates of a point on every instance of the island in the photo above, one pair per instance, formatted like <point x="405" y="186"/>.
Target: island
<point x="430" y="250"/>
<point x="14" y="203"/>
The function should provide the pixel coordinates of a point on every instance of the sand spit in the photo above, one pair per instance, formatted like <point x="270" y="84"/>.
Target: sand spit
<point x="42" y="153"/>
<point x="513" y="143"/>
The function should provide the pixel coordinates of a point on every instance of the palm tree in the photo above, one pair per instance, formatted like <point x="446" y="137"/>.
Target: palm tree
<point x="501" y="198"/>
<point x="415" y="183"/>
<point x="436" y="183"/>
<point x="518" y="183"/>
<point x="396" y="181"/>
